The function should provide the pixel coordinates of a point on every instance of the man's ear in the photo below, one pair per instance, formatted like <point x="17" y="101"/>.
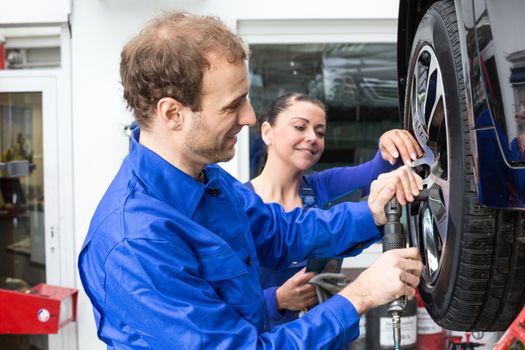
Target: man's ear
<point x="267" y="133"/>
<point x="169" y="111"/>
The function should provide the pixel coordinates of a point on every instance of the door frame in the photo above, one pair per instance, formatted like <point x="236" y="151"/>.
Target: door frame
<point x="58" y="182"/>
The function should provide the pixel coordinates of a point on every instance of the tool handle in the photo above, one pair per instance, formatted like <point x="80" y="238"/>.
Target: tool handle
<point x="393" y="235"/>
<point x="394" y="238"/>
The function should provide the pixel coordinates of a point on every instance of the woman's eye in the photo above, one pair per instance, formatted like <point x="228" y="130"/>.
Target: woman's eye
<point x="320" y="134"/>
<point x="299" y="127"/>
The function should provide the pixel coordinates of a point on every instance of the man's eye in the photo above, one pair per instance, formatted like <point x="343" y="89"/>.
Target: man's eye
<point x="233" y="107"/>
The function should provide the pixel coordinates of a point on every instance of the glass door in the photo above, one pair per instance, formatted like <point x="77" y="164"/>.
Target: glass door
<point x="30" y="240"/>
<point x="22" y="205"/>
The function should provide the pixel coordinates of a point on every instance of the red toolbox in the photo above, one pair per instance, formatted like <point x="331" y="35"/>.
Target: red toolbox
<point x="42" y="309"/>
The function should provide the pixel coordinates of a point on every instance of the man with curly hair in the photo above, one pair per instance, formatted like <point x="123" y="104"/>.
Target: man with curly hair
<point x="172" y="256"/>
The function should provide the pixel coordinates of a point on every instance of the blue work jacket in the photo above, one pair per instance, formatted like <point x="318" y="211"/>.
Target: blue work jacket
<point x="173" y="263"/>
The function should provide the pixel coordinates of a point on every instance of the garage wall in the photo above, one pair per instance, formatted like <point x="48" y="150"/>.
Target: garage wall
<point x="99" y="30"/>
<point x="34" y="11"/>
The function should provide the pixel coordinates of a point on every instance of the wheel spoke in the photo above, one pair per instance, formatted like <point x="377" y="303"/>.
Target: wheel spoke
<point x="439" y="214"/>
<point x="438" y="95"/>
<point x="430" y="245"/>
<point x="422" y="89"/>
<point x="417" y="101"/>
<point x="444" y="187"/>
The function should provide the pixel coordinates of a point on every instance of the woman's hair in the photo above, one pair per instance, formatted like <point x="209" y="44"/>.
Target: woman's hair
<point x="282" y="103"/>
<point x="168" y="58"/>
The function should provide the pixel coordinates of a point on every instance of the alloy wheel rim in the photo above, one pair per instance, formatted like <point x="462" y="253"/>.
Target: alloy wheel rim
<point x="427" y="117"/>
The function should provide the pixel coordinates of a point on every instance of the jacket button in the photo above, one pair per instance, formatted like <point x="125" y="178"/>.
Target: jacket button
<point x="248" y="260"/>
<point x="214" y="192"/>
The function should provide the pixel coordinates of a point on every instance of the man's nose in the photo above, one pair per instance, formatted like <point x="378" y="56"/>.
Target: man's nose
<point x="247" y="115"/>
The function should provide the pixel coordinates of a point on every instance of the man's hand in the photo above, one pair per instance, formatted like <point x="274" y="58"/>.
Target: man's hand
<point x="394" y="274"/>
<point x="296" y="294"/>
<point x="402" y="182"/>
<point x="397" y="142"/>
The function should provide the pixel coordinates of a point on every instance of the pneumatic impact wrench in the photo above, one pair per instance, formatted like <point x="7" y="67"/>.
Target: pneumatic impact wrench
<point x="394" y="238"/>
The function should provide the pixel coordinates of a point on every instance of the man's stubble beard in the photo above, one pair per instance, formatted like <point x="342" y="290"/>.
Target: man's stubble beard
<point x="200" y="143"/>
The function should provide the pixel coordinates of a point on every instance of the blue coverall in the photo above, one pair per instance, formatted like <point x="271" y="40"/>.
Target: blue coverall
<point x="173" y="263"/>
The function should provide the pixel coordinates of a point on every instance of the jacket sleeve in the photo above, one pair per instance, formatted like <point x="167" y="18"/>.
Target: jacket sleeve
<point x="160" y="301"/>
<point x="270" y="301"/>
<point x="275" y="315"/>
<point x="335" y="182"/>
<point x="283" y="237"/>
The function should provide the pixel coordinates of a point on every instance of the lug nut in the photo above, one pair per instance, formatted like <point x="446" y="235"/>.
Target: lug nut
<point x="424" y="58"/>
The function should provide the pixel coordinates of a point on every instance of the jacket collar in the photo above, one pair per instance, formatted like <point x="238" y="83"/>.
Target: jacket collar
<point x="165" y="181"/>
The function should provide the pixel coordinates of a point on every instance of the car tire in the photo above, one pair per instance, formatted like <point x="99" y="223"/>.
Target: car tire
<point x="473" y="256"/>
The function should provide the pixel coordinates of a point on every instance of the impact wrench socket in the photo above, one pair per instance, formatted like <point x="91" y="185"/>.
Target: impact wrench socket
<point x="394" y="238"/>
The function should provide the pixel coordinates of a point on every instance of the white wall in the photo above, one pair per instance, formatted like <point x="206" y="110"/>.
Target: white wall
<point x="34" y="11"/>
<point x="99" y="30"/>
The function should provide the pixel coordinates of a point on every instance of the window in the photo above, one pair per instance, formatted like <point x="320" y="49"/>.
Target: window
<point x="356" y="81"/>
<point x="30" y="47"/>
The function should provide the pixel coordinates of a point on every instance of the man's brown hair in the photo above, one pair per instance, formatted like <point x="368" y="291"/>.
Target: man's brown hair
<point x="168" y="58"/>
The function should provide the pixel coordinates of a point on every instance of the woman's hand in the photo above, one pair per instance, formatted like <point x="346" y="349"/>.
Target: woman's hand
<point x="296" y="294"/>
<point x="395" y="143"/>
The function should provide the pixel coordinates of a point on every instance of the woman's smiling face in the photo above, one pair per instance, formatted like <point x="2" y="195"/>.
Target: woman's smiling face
<point x="297" y="136"/>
